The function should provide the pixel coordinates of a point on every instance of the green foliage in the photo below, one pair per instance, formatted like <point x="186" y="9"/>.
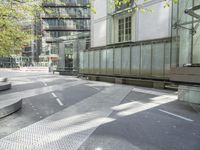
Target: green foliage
<point x="16" y="17"/>
<point x="138" y="7"/>
<point x="133" y="5"/>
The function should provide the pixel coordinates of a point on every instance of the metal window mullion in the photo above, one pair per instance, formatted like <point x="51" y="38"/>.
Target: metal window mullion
<point x="140" y="64"/>
<point x="106" y="61"/>
<point x="121" y="60"/>
<point x="100" y="69"/>
<point x="130" y="47"/>
<point x="124" y="28"/>
<point x="113" y="60"/>
<point x="164" y="59"/>
<point x="151" y="59"/>
<point x="192" y="38"/>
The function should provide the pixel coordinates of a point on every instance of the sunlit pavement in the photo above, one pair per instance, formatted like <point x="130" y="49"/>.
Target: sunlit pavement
<point x="68" y="113"/>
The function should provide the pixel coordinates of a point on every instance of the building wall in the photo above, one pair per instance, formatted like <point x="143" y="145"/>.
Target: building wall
<point x="144" y="25"/>
<point x="147" y="55"/>
<point x="147" y="60"/>
<point x="98" y="23"/>
<point x="154" y="25"/>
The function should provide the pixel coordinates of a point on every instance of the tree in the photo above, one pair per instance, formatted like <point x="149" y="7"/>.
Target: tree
<point x="15" y="17"/>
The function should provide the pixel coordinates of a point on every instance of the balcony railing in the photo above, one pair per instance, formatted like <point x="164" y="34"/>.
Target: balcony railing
<point x="64" y="28"/>
<point x="66" y="16"/>
<point x="67" y="4"/>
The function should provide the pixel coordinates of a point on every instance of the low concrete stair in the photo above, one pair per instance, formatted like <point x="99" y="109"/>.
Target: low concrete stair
<point x="10" y="106"/>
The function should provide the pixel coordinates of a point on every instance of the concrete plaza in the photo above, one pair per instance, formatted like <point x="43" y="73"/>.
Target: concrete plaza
<point x="68" y="113"/>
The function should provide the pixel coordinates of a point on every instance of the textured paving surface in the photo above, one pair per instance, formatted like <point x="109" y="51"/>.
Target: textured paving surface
<point x="69" y="128"/>
<point x="64" y="113"/>
<point x="43" y="90"/>
<point x="40" y="102"/>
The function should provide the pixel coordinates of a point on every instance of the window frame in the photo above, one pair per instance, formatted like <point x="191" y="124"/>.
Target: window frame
<point x="113" y="26"/>
<point x="124" y="32"/>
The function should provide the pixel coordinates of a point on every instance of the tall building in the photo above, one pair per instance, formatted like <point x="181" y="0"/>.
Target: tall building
<point x="65" y="19"/>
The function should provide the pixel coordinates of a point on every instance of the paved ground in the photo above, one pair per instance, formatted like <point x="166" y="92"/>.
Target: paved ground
<point x="61" y="112"/>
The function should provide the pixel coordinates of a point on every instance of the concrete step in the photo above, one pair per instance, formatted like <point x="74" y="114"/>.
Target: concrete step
<point x="5" y="86"/>
<point x="9" y="106"/>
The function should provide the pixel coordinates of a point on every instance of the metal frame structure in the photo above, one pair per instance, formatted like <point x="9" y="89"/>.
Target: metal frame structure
<point x="191" y="11"/>
<point x="185" y="23"/>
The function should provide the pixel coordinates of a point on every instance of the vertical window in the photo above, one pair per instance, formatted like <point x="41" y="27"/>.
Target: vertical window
<point x="121" y="30"/>
<point x="128" y="29"/>
<point x="124" y="29"/>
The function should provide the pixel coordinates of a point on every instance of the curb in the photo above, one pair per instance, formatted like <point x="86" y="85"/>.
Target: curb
<point x="5" y="86"/>
<point x="8" y="107"/>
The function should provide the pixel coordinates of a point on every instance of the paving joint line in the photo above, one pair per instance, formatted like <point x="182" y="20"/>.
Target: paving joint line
<point x="175" y="115"/>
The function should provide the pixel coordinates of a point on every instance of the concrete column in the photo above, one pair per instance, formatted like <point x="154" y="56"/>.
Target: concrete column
<point x="189" y="94"/>
<point x="61" y="52"/>
<point x="75" y="54"/>
<point x="185" y="50"/>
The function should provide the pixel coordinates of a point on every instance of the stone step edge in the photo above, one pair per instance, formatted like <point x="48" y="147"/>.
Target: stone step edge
<point x="5" y="86"/>
<point x="8" y="107"/>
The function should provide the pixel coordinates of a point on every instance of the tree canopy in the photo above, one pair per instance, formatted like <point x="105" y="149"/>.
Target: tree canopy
<point x="16" y="17"/>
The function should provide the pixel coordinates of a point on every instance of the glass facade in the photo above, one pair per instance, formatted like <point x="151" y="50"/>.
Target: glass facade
<point x="185" y="36"/>
<point x="64" y="21"/>
<point x="68" y="12"/>
<point x="56" y="34"/>
<point x="67" y="2"/>
<point x="66" y="17"/>
<point x="66" y="24"/>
